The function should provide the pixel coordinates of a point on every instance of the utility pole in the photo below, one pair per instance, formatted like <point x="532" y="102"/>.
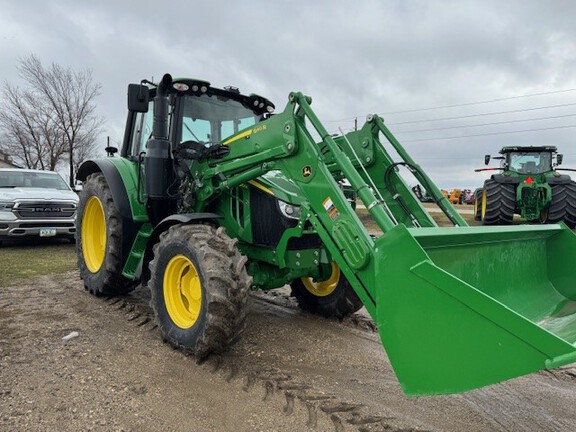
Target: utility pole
<point x="71" y="164"/>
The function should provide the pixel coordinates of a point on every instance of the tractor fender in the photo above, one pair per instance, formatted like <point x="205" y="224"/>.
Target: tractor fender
<point x="114" y="180"/>
<point x="501" y="178"/>
<point x="117" y="184"/>
<point x="164" y="225"/>
<point x="561" y="179"/>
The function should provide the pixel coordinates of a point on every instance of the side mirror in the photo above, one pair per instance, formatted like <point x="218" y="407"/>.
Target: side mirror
<point x="559" y="158"/>
<point x="486" y="159"/>
<point x="138" y="98"/>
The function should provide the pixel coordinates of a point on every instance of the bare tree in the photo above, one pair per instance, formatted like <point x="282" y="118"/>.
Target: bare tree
<point x="53" y="119"/>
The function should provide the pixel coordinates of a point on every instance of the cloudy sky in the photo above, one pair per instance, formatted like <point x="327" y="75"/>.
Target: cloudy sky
<point x="453" y="79"/>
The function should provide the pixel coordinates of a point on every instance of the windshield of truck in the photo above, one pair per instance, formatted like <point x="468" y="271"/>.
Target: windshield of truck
<point x="530" y="162"/>
<point x="26" y="179"/>
<point x="211" y="119"/>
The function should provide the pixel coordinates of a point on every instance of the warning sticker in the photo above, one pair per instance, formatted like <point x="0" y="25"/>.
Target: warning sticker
<point x="330" y="208"/>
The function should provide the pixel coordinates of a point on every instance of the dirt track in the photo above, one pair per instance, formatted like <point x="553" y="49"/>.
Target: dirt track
<point x="289" y="372"/>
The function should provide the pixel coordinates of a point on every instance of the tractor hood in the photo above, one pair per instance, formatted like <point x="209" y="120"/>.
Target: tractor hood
<point x="277" y="184"/>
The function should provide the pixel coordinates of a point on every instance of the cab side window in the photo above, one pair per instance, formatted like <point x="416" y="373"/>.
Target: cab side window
<point x="142" y="131"/>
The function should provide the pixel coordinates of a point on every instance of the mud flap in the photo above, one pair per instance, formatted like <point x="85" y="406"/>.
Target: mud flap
<point x="467" y="307"/>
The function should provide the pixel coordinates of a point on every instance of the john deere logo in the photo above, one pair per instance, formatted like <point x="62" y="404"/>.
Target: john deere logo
<point x="306" y="171"/>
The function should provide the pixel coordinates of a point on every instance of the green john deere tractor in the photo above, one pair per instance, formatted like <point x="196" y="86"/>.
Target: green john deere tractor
<point x="530" y="185"/>
<point x="214" y="195"/>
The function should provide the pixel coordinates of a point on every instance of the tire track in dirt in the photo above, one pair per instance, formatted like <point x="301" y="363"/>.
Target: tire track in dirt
<point x="316" y="407"/>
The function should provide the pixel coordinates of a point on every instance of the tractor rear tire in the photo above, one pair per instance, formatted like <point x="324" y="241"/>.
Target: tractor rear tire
<point x="478" y="205"/>
<point x="570" y="218"/>
<point x="333" y="298"/>
<point x="556" y="211"/>
<point x="199" y="289"/>
<point x="499" y="203"/>
<point x="99" y="240"/>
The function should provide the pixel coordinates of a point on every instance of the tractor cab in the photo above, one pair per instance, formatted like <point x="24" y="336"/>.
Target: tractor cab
<point x="528" y="160"/>
<point x="196" y="112"/>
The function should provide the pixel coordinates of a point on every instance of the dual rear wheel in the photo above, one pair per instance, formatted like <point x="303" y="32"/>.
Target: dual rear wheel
<point x="495" y="204"/>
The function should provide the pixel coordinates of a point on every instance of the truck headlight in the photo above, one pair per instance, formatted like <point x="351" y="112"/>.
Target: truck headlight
<point x="289" y="210"/>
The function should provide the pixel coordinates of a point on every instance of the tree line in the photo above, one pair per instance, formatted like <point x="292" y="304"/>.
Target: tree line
<point x="51" y="119"/>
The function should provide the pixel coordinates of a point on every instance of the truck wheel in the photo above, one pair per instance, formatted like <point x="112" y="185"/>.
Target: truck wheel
<point x="199" y="288"/>
<point x="478" y="205"/>
<point x="99" y="239"/>
<point x="498" y="203"/>
<point x="333" y="297"/>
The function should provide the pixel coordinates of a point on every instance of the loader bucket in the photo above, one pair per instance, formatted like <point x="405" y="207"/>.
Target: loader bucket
<point x="467" y="307"/>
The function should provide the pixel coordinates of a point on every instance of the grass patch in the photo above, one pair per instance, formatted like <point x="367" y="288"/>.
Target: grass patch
<point x="26" y="260"/>
<point x="440" y="218"/>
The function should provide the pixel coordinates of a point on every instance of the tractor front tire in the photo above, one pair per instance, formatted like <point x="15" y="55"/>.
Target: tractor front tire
<point x="332" y="298"/>
<point x="498" y="203"/>
<point x="99" y="239"/>
<point x="199" y="289"/>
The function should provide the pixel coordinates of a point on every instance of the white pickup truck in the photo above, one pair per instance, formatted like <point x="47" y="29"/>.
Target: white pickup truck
<point x="36" y="203"/>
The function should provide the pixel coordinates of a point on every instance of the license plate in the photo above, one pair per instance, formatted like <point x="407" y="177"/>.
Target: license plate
<point x="47" y="232"/>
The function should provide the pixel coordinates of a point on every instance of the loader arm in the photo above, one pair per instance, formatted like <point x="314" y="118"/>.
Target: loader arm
<point x="453" y="305"/>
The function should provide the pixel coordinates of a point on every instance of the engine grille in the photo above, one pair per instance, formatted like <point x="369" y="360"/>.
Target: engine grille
<point x="43" y="210"/>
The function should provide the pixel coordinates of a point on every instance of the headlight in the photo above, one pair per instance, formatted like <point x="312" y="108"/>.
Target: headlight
<point x="289" y="210"/>
<point x="6" y="205"/>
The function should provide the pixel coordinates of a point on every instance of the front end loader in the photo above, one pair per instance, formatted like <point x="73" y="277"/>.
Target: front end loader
<point x="214" y="195"/>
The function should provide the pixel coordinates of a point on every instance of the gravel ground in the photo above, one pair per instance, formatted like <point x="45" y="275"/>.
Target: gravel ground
<point x="290" y="372"/>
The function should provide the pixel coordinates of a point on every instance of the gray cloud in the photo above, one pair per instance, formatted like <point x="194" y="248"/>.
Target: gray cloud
<point x="352" y="58"/>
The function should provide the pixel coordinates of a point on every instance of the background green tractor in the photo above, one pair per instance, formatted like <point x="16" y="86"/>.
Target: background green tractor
<point x="530" y="185"/>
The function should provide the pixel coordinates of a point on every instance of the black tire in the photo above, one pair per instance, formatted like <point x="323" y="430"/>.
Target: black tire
<point x="212" y="315"/>
<point x="556" y="211"/>
<point x="500" y="203"/>
<point x="341" y="302"/>
<point x="570" y="218"/>
<point x="100" y="265"/>
<point x="478" y="205"/>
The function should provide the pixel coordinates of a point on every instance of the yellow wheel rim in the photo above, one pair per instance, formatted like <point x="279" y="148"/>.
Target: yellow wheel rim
<point x="475" y="206"/>
<point x="323" y="288"/>
<point x="182" y="291"/>
<point x="93" y="234"/>
<point x="483" y="204"/>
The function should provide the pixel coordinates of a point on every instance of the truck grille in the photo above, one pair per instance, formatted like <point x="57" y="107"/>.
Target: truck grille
<point x="43" y="210"/>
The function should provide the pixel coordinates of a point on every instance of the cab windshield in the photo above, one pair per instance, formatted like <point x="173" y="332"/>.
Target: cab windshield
<point x="530" y="162"/>
<point x="210" y="119"/>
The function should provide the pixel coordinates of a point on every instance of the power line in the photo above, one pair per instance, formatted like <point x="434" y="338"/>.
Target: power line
<point x="480" y="102"/>
<point x="485" y="124"/>
<point x="481" y="115"/>
<point x="490" y="134"/>
<point x="457" y="105"/>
